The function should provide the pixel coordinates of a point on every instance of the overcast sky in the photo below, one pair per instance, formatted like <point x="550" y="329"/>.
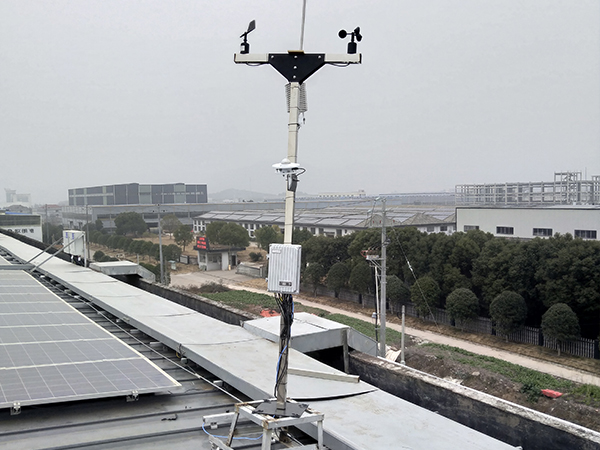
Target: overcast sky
<point x="97" y="92"/>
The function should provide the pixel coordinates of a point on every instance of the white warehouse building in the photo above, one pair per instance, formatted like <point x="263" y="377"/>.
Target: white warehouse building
<point x="336" y="221"/>
<point x="581" y="221"/>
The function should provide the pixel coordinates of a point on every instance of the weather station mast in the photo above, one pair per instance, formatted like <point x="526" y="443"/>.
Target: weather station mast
<point x="296" y="66"/>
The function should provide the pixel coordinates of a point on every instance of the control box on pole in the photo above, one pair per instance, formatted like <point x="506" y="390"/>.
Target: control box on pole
<point x="284" y="268"/>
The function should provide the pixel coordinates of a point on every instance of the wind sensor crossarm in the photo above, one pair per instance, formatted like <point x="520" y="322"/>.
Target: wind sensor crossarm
<point x="295" y="65"/>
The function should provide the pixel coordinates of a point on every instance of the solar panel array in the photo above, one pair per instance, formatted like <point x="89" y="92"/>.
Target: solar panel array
<point x="50" y="352"/>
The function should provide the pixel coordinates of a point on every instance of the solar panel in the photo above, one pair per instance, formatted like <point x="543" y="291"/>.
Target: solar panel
<point x="50" y="352"/>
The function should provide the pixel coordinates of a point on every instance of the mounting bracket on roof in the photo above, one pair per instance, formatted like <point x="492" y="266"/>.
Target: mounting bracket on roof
<point x="15" y="409"/>
<point x="133" y="397"/>
<point x="273" y="426"/>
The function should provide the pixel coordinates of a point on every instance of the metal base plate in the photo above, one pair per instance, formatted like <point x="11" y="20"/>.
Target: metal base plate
<point x="269" y="407"/>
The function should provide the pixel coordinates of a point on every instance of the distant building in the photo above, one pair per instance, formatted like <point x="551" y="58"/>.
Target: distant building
<point x="139" y="194"/>
<point x="567" y="188"/>
<point x="51" y="214"/>
<point x="357" y="194"/>
<point x="12" y="197"/>
<point x="528" y="223"/>
<point x="334" y="221"/>
<point x="215" y="257"/>
<point x="29" y="225"/>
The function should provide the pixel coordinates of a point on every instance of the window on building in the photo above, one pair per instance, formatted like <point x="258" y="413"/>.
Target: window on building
<point x="321" y="231"/>
<point x="443" y="227"/>
<point x="545" y="232"/>
<point x="338" y="232"/>
<point x="471" y="227"/>
<point x="430" y="228"/>
<point x="585" y="234"/>
<point x="312" y="230"/>
<point x="505" y="230"/>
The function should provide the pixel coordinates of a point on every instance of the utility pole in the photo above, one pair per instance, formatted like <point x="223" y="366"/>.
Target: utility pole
<point x="382" y="308"/>
<point x="296" y="66"/>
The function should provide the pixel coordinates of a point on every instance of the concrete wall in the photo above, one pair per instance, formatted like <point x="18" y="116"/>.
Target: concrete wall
<point x="251" y="271"/>
<point x="508" y="422"/>
<point x="197" y="303"/>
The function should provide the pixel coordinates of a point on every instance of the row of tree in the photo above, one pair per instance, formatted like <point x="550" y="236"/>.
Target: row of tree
<point x="508" y="311"/>
<point x="133" y="224"/>
<point x="544" y="272"/>
<point x="135" y="246"/>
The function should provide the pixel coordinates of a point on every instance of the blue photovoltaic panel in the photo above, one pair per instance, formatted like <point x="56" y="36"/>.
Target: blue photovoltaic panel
<point x="49" y="352"/>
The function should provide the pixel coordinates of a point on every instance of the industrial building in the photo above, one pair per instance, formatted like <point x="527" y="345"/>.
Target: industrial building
<point x="139" y="194"/>
<point x="527" y="223"/>
<point x="336" y="221"/>
<point x="75" y="217"/>
<point x="567" y="188"/>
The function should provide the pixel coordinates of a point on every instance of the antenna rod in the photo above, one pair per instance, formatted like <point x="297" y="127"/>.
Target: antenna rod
<point x="302" y="26"/>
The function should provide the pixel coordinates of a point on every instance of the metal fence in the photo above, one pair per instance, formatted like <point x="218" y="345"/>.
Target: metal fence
<point x="186" y="259"/>
<point x="586" y="348"/>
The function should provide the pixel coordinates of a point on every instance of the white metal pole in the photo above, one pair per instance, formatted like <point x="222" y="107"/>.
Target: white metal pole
<point x="160" y="254"/>
<point x="293" y="126"/>
<point x="302" y="26"/>
<point x="382" y="308"/>
<point x="377" y="323"/>
<point x="402" y="361"/>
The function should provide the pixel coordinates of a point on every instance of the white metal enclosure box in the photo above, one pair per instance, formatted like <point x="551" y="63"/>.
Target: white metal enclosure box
<point x="284" y="268"/>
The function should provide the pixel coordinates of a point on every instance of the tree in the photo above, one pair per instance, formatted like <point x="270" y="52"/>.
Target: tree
<point x="99" y="225"/>
<point x="146" y="248"/>
<point x="171" y="252"/>
<point x="462" y="305"/>
<point x="425" y="295"/>
<point x="560" y="323"/>
<point x="360" y="277"/>
<point x="233" y="235"/>
<point x="51" y="233"/>
<point x="266" y="236"/>
<point x="183" y="236"/>
<point x="508" y="311"/>
<point x="301" y="236"/>
<point x="169" y="223"/>
<point x="212" y="231"/>
<point x="313" y="274"/>
<point x="130" y="223"/>
<point x="396" y="292"/>
<point x="103" y="239"/>
<point x="326" y="250"/>
<point x="337" y="277"/>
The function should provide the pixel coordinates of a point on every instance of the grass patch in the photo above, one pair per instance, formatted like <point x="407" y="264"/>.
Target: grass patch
<point x="207" y="288"/>
<point x="392" y="337"/>
<point x="243" y="299"/>
<point x="588" y="394"/>
<point x="299" y="307"/>
<point x="532" y="381"/>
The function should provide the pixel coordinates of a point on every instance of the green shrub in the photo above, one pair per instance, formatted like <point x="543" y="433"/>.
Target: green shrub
<point x="255" y="256"/>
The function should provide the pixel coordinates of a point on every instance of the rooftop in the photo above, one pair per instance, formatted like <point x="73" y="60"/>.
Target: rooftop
<point x="198" y="351"/>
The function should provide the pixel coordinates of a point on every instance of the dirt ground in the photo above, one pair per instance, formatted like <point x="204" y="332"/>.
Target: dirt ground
<point x="441" y="364"/>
